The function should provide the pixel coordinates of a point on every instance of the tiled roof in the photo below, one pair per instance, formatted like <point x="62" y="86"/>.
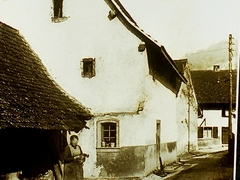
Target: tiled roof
<point x="213" y="87"/>
<point x="29" y="98"/>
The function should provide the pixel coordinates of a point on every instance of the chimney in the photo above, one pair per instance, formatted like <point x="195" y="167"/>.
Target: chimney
<point x="216" y="68"/>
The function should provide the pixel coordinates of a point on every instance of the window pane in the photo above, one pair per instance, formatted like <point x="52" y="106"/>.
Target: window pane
<point x="109" y="134"/>
<point x="113" y="126"/>
<point x="207" y="132"/>
<point x="113" y="134"/>
<point x="105" y="134"/>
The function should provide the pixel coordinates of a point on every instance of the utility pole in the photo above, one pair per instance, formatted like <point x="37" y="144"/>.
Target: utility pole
<point x="230" y="136"/>
<point x="189" y="91"/>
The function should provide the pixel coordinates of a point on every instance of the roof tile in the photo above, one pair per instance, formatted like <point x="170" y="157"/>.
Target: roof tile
<point x="213" y="87"/>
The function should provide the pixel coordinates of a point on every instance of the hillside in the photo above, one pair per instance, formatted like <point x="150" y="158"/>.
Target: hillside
<point x="216" y="54"/>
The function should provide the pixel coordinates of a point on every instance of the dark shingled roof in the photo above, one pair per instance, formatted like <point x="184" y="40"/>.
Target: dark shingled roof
<point x="213" y="87"/>
<point x="29" y="98"/>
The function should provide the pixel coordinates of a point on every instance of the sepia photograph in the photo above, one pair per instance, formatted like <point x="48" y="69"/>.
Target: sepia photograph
<point x="119" y="89"/>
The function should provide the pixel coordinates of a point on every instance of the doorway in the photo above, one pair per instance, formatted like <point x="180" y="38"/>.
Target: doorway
<point x="158" y="136"/>
<point x="224" y="135"/>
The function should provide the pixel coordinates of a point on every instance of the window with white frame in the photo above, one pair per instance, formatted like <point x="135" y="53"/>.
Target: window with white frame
<point x="108" y="134"/>
<point x="207" y="132"/>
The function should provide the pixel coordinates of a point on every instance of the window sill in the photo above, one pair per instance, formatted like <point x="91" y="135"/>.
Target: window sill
<point x="90" y="76"/>
<point x="108" y="149"/>
<point x="59" y="19"/>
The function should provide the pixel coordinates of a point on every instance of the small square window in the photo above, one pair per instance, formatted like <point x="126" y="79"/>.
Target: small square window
<point x="88" y="67"/>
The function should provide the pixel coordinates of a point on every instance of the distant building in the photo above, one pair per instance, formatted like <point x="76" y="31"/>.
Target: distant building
<point x="212" y="91"/>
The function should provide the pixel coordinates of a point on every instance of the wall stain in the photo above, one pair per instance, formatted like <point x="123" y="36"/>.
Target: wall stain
<point x="127" y="161"/>
<point x="171" y="146"/>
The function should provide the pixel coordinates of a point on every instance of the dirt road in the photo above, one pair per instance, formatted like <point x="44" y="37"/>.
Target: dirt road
<point x="211" y="166"/>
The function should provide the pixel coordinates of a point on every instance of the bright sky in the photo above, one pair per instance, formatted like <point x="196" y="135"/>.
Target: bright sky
<point x="185" y="26"/>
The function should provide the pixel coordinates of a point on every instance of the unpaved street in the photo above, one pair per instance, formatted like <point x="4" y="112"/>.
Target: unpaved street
<point x="211" y="166"/>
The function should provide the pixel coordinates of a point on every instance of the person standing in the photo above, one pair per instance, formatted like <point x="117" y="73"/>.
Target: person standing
<point x="73" y="160"/>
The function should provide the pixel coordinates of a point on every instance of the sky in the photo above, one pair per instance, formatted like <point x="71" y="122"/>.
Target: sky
<point x="186" y="26"/>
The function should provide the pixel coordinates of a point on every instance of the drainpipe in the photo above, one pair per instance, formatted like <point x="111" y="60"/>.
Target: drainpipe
<point x="188" y="116"/>
<point x="188" y="122"/>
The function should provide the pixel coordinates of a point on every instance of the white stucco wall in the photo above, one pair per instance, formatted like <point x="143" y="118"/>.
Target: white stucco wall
<point x="182" y="120"/>
<point x="160" y="105"/>
<point x="187" y="114"/>
<point x="87" y="33"/>
<point x="214" y="118"/>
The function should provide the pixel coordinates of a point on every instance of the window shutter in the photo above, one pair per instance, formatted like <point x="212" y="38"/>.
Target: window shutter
<point x="200" y="132"/>
<point x="215" y="132"/>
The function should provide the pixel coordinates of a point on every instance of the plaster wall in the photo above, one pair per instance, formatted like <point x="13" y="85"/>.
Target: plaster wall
<point x="214" y="119"/>
<point x="182" y="121"/>
<point x="160" y="105"/>
<point x="137" y="133"/>
<point x="187" y="117"/>
<point x="87" y="32"/>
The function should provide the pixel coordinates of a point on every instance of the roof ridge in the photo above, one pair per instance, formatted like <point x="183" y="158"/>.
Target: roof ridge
<point x="8" y="26"/>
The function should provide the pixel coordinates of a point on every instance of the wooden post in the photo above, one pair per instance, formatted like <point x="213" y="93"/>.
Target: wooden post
<point x="230" y="96"/>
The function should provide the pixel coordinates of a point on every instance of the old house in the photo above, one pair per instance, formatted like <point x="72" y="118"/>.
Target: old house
<point x="187" y="111"/>
<point x="98" y="54"/>
<point x="34" y="111"/>
<point x="212" y="91"/>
